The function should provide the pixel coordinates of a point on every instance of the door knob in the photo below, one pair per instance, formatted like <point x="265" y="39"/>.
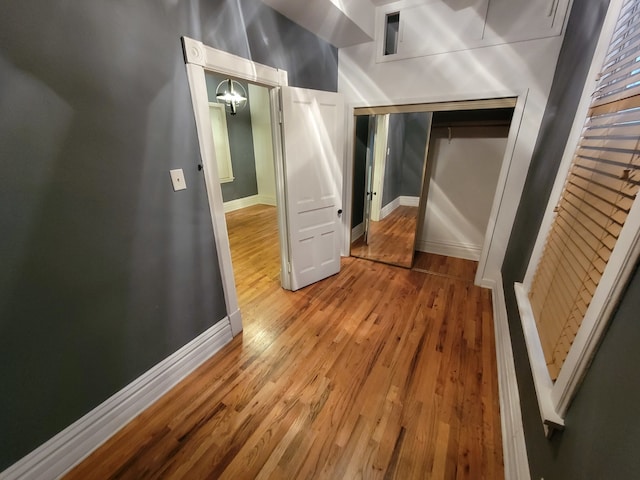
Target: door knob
<point x="339" y="211"/>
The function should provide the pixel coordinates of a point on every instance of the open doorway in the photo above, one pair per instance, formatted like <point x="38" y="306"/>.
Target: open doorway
<point x="243" y="139"/>
<point x="459" y="150"/>
<point x="307" y="129"/>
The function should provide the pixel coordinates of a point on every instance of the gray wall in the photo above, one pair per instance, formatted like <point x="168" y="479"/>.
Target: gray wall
<point x="602" y="424"/>
<point x="359" y="170"/>
<point x="417" y="126"/>
<point x="105" y="270"/>
<point x="407" y="141"/>
<point x="243" y="158"/>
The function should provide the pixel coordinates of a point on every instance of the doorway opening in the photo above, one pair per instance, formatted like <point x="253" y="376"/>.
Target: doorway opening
<point x="200" y="60"/>
<point x="243" y="140"/>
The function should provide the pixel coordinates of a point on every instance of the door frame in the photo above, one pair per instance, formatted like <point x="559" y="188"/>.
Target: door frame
<point x="379" y="166"/>
<point x="199" y="58"/>
<point x="502" y="211"/>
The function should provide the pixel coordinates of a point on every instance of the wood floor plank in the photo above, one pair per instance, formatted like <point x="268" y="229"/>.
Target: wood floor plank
<point x="378" y="372"/>
<point x="446" y="266"/>
<point x="390" y="240"/>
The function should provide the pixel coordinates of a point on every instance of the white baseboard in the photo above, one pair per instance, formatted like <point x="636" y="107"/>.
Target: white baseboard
<point x="450" y="249"/>
<point x="406" y="201"/>
<point x="389" y="208"/>
<point x="357" y="232"/>
<point x="403" y="201"/>
<point x="240" y="203"/>
<point x="514" y="449"/>
<point x="69" y="447"/>
<point x="266" y="200"/>
<point x="250" y="201"/>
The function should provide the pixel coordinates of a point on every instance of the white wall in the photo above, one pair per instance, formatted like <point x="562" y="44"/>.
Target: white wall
<point x="339" y="22"/>
<point x="464" y="174"/>
<point x="523" y="69"/>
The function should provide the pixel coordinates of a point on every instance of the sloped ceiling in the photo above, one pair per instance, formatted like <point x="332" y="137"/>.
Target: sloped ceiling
<point x="340" y="22"/>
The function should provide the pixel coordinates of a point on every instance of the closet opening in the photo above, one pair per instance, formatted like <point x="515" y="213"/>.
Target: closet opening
<point x="424" y="180"/>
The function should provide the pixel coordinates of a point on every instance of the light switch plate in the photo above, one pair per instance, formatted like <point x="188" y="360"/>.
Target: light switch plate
<point x="177" y="179"/>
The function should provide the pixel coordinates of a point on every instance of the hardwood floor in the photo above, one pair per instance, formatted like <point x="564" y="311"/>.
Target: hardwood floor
<point x="255" y="248"/>
<point x="448" y="266"/>
<point x="391" y="240"/>
<point x="378" y="372"/>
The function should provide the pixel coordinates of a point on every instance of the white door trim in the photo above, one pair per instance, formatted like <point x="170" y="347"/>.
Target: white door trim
<point x="198" y="58"/>
<point x="502" y="213"/>
<point x="380" y="154"/>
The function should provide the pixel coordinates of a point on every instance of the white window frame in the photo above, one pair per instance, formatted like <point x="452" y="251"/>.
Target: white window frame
<point x="554" y="398"/>
<point x="223" y="162"/>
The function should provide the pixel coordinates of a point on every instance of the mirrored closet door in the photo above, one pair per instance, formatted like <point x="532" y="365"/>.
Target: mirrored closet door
<point x="389" y="173"/>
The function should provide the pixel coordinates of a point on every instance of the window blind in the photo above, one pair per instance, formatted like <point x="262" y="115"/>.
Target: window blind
<point x="600" y="188"/>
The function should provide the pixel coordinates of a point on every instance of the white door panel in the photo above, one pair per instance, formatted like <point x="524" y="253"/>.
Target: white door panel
<point x="313" y="130"/>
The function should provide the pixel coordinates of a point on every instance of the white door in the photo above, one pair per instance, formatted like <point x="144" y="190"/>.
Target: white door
<point x="313" y="131"/>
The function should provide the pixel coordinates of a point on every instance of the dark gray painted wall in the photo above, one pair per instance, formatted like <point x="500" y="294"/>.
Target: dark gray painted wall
<point x="359" y="170"/>
<point x="243" y="158"/>
<point x="602" y="425"/>
<point x="417" y="126"/>
<point x="407" y="141"/>
<point x="267" y="37"/>
<point x="105" y="270"/>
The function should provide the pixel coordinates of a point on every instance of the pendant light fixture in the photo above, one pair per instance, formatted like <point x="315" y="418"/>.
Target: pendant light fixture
<point x="232" y="94"/>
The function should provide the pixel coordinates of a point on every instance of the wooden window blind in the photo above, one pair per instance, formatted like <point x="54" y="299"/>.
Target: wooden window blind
<point x="598" y="193"/>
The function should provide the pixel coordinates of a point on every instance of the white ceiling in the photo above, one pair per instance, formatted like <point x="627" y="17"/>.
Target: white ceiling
<point x="340" y="22"/>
